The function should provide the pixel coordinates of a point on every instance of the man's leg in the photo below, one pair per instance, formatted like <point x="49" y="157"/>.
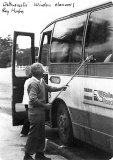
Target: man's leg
<point x="41" y="141"/>
<point x="35" y="120"/>
<point x="26" y="125"/>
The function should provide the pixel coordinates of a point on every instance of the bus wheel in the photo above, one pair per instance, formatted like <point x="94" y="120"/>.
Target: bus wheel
<point x="64" y="125"/>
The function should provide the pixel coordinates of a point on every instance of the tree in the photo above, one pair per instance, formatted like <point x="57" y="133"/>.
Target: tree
<point x="23" y="56"/>
<point x="5" y="51"/>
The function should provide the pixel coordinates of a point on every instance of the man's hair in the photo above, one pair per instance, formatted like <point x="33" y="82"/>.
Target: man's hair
<point x="36" y="69"/>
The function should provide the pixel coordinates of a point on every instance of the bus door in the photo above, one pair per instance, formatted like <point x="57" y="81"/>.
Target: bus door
<point x="22" y="57"/>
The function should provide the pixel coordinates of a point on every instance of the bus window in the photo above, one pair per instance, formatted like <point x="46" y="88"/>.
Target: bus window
<point x="67" y="40"/>
<point x="45" y="45"/>
<point x="45" y="49"/>
<point x="23" y="55"/>
<point x="99" y="38"/>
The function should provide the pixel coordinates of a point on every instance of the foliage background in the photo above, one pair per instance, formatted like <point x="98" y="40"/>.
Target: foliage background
<point x="6" y="53"/>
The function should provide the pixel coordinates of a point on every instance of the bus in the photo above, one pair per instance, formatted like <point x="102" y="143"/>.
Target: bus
<point x="84" y="111"/>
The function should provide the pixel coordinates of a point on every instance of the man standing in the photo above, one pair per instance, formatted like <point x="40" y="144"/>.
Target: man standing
<point x="37" y="104"/>
<point x="26" y="125"/>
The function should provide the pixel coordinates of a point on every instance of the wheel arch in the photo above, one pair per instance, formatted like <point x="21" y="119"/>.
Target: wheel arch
<point x="54" y="110"/>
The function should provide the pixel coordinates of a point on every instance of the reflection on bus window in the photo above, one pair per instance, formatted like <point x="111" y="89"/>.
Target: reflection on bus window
<point x="67" y="40"/>
<point x="99" y="39"/>
<point x="23" y="55"/>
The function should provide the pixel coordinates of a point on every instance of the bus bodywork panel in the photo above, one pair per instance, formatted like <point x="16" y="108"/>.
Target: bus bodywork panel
<point x="90" y="104"/>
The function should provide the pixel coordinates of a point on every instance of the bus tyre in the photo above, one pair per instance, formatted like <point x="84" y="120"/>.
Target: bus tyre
<point x="64" y="125"/>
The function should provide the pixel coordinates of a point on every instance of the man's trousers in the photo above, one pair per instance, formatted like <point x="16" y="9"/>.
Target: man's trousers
<point x="36" y="137"/>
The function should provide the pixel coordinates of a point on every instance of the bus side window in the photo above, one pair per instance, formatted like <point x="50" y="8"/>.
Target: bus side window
<point x="99" y="37"/>
<point x="45" y="50"/>
<point x="67" y="38"/>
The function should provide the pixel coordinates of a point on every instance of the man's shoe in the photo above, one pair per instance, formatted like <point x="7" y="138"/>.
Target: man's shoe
<point x="40" y="156"/>
<point x="27" y="157"/>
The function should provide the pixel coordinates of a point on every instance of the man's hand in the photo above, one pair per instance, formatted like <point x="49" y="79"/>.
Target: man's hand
<point x="64" y="87"/>
<point x="47" y="106"/>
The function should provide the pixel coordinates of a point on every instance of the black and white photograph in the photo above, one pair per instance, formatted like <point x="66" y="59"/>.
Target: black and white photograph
<point x="56" y="80"/>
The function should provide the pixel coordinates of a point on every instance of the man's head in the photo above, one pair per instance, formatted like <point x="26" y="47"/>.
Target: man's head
<point x="37" y="70"/>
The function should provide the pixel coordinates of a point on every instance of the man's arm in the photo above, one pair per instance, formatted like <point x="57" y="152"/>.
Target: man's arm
<point x="54" y="89"/>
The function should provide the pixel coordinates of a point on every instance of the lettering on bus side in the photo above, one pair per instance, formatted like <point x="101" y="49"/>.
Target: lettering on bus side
<point x="88" y="94"/>
<point x="104" y="97"/>
<point x="98" y="96"/>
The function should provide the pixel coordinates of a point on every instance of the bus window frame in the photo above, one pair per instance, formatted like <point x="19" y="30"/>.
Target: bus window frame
<point x="41" y="44"/>
<point x="89" y="14"/>
<point x="82" y="45"/>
